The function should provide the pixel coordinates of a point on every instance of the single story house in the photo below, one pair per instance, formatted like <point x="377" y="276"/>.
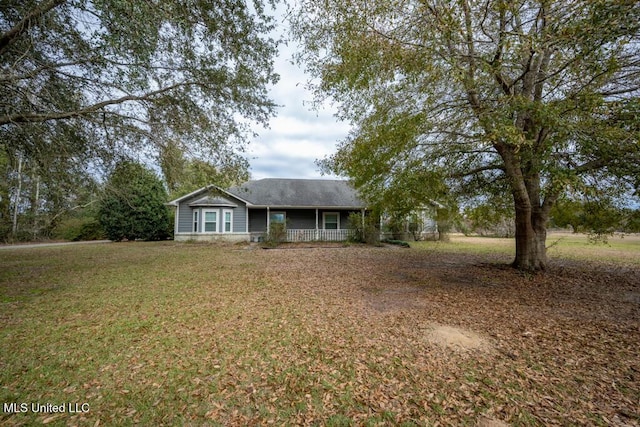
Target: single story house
<point x="311" y="209"/>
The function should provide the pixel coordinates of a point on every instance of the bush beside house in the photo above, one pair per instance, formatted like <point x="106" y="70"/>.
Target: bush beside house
<point x="133" y="205"/>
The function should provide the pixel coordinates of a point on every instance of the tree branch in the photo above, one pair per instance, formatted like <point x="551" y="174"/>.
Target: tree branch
<point x="478" y="170"/>
<point x="590" y="166"/>
<point x="43" y="117"/>
<point x="10" y="36"/>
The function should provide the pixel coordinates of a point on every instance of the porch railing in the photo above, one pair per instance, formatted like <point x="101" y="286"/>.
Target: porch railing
<point x="302" y="235"/>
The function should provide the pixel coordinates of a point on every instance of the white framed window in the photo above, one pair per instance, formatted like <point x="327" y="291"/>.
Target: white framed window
<point x="210" y="221"/>
<point x="195" y="221"/>
<point x="227" y="226"/>
<point x="331" y="220"/>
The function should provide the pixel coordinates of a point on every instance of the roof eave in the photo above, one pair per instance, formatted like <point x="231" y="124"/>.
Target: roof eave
<point x="305" y="207"/>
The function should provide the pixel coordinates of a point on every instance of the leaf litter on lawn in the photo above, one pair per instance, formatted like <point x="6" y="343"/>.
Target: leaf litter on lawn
<point x="476" y="338"/>
<point x="316" y="336"/>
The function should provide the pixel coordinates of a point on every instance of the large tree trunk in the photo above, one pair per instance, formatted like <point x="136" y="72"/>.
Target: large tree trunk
<point x="531" y="236"/>
<point x="531" y="213"/>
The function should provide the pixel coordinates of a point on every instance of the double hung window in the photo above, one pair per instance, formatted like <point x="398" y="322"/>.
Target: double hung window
<point x="210" y="221"/>
<point x="331" y="220"/>
<point x="228" y="220"/>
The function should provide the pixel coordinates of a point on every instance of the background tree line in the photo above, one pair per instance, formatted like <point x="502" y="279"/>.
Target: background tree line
<point x="64" y="202"/>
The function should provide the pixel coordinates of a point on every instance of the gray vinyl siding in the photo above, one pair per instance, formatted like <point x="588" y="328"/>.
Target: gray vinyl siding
<point x="302" y="219"/>
<point x="240" y="219"/>
<point x="185" y="216"/>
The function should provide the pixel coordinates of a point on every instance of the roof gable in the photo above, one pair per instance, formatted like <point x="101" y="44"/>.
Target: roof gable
<point x="210" y="190"/>
<point x="209" y="200"/>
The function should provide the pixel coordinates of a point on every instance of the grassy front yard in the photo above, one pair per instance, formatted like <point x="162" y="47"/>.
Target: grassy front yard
<point x="167" y="333"/>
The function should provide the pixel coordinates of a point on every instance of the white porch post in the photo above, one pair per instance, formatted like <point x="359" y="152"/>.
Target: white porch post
<point x="268" y="219"/>
<point x="317" y="224"/>
<point x="176" y="220"/>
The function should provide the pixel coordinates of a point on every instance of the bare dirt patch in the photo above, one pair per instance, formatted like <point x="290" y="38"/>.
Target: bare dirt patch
<point x="490" y="422"/>
<point x="456" y="339"/>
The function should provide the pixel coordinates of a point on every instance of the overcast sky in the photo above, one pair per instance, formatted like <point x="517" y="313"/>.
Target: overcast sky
<point x="297" y="135"/>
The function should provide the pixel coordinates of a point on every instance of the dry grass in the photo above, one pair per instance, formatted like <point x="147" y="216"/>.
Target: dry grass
<point x="165" y="334"/>
<point x="618" y="249"/>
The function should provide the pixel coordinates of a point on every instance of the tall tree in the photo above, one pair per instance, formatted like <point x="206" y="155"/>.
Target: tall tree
<point x="183" y="175"/>
<point x="535" y="98"/>
<point x="55" y="166"/>
<point x="104" y="79"/>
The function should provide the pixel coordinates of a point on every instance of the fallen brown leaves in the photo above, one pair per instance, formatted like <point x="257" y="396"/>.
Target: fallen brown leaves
<point x="447" y="337"/>
<point x="326" y="336"/>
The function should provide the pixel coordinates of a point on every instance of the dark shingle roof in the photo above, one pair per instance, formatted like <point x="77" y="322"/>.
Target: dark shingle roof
<point x="298" y="192"/>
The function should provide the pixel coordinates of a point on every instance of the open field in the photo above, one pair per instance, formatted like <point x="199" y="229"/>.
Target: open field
<point x="618" y="249"/>
<point x="167" y="333"/>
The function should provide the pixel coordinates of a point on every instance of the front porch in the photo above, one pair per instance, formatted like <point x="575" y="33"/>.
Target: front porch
<point x="308" y="235"/>
<point x="298" y="235"/>
<point x="301" y="224"/>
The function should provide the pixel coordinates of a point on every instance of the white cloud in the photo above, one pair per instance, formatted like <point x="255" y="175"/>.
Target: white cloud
<point x="298" y="136"/>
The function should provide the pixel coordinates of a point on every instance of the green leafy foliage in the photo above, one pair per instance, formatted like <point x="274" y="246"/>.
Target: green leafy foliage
<point x="395" y="242"/>
<point x="133" y="205"/>
<point x="494" y="217"/>
<point x="632" y="223"/>
<point x="416" y="226"/>
<point x="364" y="229"/>
<point x="54" y="185"/>
<point x="599" y="218"/>
<point x="183" y="175"/>
<point x="466" y="101"/>
<point x="276" y="234"/>
<point x="85" y="83"/>
<point x="183" y="68"/>
<point x="79" y="228"/>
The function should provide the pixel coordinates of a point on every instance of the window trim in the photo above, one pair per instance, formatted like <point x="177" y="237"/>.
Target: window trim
<point x="204" y="220"/>
<point x="196" y="224"/>
<point x="224" y="220"/>
<point x="324" y="220"/>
